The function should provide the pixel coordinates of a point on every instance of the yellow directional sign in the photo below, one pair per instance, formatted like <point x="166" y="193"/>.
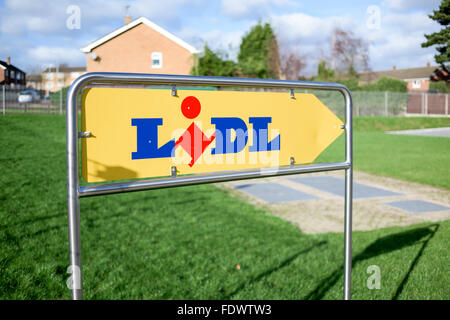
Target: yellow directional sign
<point x="143" y="133"/>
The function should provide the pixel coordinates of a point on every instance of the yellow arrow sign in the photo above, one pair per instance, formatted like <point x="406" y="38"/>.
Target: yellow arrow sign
<point x="143" y="133"/>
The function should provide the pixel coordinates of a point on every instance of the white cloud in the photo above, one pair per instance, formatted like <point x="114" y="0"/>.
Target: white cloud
<point x="217" y="40"/>
<point x="396" y="42"/>
<point x="308" y="35"/>
<point x="47" y="55"/>
<point x="253" y="9"/>
<point x="406" y="5"/>
<point x="49" y="16"/>
<point x="408" y="22"/>
<point x="301" y="26"/>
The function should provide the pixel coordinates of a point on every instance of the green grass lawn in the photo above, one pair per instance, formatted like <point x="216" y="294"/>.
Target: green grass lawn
<point x="381" y="124"/>
<point x="185" y="243"/>
<point x="412" y="158"/>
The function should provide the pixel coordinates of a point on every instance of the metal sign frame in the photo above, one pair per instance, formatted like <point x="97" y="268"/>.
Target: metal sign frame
<point x="75" y="191"/>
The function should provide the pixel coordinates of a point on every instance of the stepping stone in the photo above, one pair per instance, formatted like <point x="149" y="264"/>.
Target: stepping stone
<point x="274" y="192"/>
<point x="337" y="186"/>
<point x="417" y="206"/>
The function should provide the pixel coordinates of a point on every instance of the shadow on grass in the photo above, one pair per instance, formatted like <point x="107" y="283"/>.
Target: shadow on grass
<point x="283" y="264"/>
<point x="381" y="246"/>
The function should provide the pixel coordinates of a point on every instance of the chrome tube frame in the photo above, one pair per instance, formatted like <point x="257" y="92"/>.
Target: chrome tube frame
<point x="75" y="192"/>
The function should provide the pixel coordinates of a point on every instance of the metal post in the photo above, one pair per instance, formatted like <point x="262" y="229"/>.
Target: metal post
<point x="423" y="103"/>
<point x="72" y="194"/>
<point x="386" y="103"/>
<point x="446" y="104"/>
<point x="4" y="107"/>
<point x="348" y="196"/>
<point x="60" y="90"/>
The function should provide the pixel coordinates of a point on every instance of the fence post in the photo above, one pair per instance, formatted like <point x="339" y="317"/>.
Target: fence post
<point x="422" y="104"/>
<point x="446" y="104"/>
<point x="386" y="103"/>
<point x="4" y="107"/>
<point x="426" y="103"/>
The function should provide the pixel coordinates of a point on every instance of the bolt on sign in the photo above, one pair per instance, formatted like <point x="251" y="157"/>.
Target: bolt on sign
<point x="144" y="133"/>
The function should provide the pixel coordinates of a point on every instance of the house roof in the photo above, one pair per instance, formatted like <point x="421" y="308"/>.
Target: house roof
<point x="65" y="69"/>
<point x="403" y="74"/>
<point x="4" y="65"/>
<point x="34" y="77"/>
<point x="132" y="24"/>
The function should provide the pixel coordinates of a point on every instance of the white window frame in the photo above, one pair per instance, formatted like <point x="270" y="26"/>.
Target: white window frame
<point x="157" y="56"/>
<point x="49" y="76"/>
<point x="48" y="85"/>
<point x="417" y="84"/>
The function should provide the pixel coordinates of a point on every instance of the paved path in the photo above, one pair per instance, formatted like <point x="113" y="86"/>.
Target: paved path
<point x="315" y="202"/>
<point x="434" y="132"/>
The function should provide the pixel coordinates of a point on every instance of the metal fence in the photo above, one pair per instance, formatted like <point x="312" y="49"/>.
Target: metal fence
<point x="10" y="102"/>
<point x="366" y="103"/>
<point x="376" y="103"/>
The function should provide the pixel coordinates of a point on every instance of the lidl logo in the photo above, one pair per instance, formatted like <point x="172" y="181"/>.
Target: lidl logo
<point x="195" y="142"/>
<point x="142" y="133"/>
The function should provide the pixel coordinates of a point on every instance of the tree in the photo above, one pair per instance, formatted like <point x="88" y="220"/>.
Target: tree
<point x="324" y="73"/>
<point x="292" y="63"/>
<point x="440" y="87"/>
<point x="387" y="84"/>
<point x="212" y="64"/>
<point x="348" y="53"/>
<point x="258" y="53"/>
<point x="442" y="38"/>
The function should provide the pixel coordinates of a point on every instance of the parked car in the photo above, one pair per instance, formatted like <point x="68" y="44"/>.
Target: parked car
<point x="46" y="99"/>
<point x="28" y="96"/>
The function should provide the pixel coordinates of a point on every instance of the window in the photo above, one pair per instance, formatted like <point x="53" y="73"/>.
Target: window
<point x="60" y="75"/>
<point x="157" y="60"/>
<point x="48" y="85"/>
<point x="60" y="83"/>
<point x="416" y="84"/>
<point x="49" y="76"/>
<point x="74" y="75"/>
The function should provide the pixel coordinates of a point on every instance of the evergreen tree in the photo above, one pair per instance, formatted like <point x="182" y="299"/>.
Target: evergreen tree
<point x="441" y="38"/>
<point x="212" y="64"/>
<point x="258" y="53"/>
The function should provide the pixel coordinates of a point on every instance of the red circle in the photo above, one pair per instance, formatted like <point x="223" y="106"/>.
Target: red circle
<point x="190" y="107"/>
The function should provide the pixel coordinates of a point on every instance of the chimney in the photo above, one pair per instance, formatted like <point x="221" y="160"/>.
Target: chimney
<point x="428" y="63"/>
<point x="394" y="68"/>
<point x="127" y="19"/>
<point x="8" y="60"/>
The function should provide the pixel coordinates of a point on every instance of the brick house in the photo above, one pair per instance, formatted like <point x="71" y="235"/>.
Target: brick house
<point x="418" y="79"/>
<point x="140" y="46"/>
<point x="34" y="81"/>
<point x="55" y="78"/>
<point x="11" y="75"/>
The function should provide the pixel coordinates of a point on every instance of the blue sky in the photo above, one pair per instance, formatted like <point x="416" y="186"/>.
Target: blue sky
<point x="34" y="32"/>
